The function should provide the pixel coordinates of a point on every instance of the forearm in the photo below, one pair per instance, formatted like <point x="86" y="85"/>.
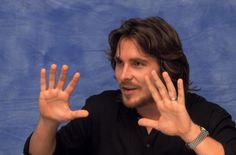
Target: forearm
<point x="43" y="140"/>
<point x="207" y="146"/>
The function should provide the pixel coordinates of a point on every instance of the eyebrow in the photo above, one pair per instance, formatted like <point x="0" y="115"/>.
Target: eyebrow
<point x="140" y="60"/>
<point x="133" y="59"/>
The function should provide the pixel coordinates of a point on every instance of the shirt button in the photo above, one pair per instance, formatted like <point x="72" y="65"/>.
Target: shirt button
<point x="148" y="145"/>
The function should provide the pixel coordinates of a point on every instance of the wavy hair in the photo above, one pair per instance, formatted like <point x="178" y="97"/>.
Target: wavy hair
<point x="157" y="39"/>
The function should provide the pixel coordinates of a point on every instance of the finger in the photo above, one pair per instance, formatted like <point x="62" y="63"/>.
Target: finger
<point x="79" y="114"/>
<point x="43" y="79"/>
<point x="155" y="94"/>
<point x="71" y="86"/>
<point x="181" y="96"/>
<point x="160" y="86"/>
<point x="170" y="86"/>
<point x="148" y="123"/>
<point x="52" y="76"/>
<point x="63" y="76"/>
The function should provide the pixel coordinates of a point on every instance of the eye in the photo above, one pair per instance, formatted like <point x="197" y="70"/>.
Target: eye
<point x="138" y="63"/>
<point x="118" y="61"/>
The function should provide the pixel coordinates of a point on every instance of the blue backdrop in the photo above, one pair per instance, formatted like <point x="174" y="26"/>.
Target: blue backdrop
<point x="36" y="33"/>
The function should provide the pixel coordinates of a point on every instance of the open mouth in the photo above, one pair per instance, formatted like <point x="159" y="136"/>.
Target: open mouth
<point x="128" y="90"/>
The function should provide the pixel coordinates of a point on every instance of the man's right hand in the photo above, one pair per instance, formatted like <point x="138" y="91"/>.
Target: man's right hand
<point x="54" y="108"/>
<point x="54" y="103"/>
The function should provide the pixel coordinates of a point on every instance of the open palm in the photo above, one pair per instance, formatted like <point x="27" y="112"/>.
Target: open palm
<point x="173" y="117"/>
<point x="54" y="101"/>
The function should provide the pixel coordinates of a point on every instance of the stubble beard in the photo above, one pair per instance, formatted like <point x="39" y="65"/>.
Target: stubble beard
<point x="142" y="101"/>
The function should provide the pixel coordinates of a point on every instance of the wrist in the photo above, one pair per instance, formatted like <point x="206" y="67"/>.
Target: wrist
<point x="203" y="134"/>
<point x="48" y="124"/>
<point x="191" y="134"/>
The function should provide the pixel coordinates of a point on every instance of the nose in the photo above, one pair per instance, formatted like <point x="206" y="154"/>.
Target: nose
<point x="126" y="73"/>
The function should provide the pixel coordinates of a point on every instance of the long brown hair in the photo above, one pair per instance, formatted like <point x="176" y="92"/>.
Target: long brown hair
<point x="158" y="39"/>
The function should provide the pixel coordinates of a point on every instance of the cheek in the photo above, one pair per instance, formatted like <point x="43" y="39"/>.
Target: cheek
<point x="142" y="81"/>
<point x="117" y="73"/>
<point x="140" y="78"/>
<point x="140" y="75"/>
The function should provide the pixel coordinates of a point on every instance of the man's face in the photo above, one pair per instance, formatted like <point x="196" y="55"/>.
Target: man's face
<point x="132" y="65"/>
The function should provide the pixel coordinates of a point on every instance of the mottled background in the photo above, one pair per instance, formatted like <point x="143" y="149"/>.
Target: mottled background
<point x="37" y="33"/>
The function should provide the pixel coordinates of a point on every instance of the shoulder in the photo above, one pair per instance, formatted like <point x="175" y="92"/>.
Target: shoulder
<point x="198" y="103"/>
<point x="204" y="112"/>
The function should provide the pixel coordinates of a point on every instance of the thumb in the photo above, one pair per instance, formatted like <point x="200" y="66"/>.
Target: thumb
<point x="79" y="114"/>
<point x="148" y="123"/>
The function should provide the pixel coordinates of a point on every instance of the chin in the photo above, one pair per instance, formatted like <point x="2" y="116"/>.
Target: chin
<point x="135" y="103"/>
<point x="129" y="103"/>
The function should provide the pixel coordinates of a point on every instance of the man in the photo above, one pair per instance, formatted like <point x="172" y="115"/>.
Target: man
<point x="154" y="111"/>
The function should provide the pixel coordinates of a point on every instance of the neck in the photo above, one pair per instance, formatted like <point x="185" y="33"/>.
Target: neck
<point x="148" y="111"/>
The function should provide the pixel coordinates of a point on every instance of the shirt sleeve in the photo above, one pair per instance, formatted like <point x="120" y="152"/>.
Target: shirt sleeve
<point x="26" y="146"/>
<point x="222" y="128"/>
<point x="72" y="138"/>
<point x="215" y="119"/>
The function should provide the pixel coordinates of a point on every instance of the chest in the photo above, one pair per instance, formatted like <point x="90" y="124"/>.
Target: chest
<point x="125" y="137"/>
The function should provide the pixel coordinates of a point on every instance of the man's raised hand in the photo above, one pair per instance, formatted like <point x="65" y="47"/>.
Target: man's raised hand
<point x="54" y="99"/>
<point x="173" y="117"/>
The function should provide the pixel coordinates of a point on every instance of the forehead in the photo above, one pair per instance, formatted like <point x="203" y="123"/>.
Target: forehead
<point x="128" y="47"/>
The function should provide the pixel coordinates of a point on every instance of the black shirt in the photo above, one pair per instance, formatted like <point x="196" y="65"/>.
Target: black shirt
<point x="112" y="129"/>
